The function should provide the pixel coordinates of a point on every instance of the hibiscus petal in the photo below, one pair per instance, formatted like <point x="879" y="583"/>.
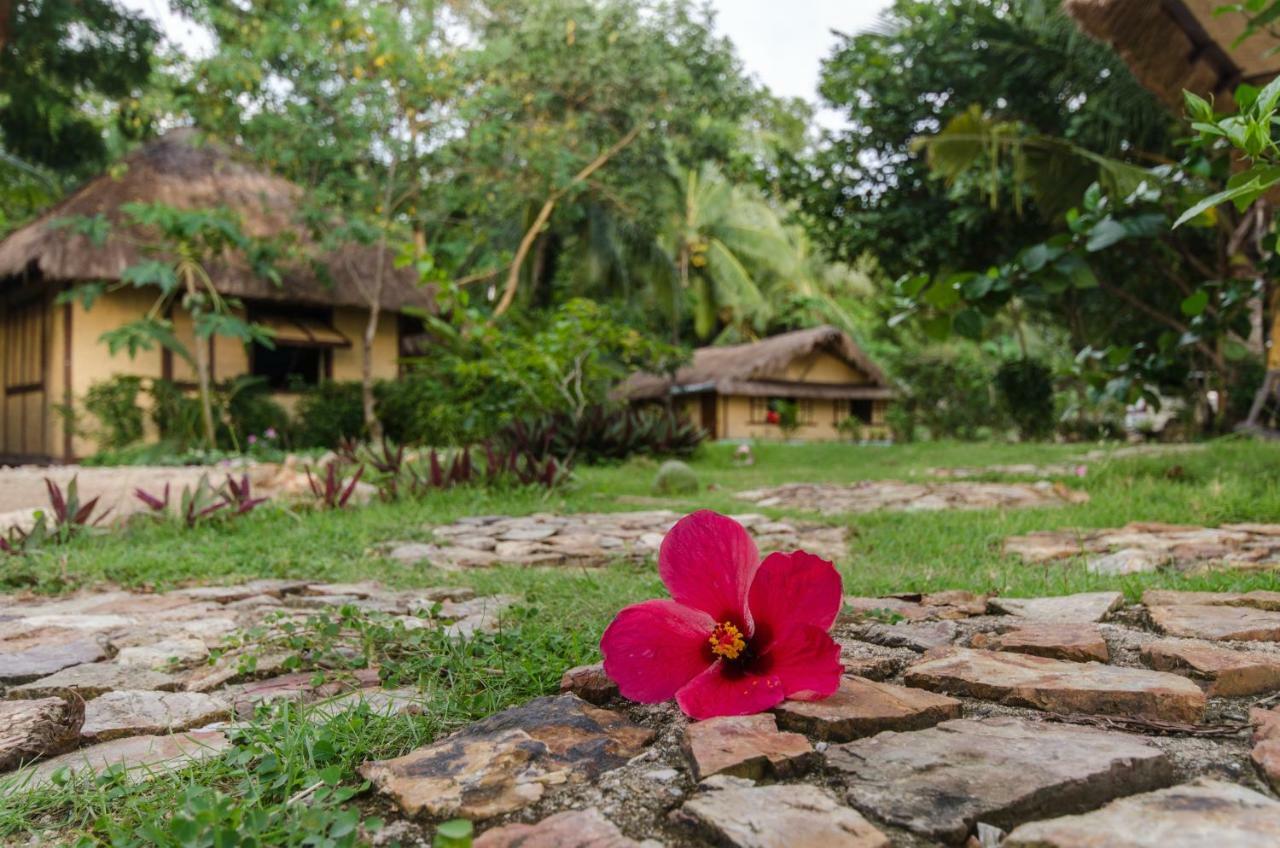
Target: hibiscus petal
<point x="794" y="589"/>
<point x="724" y="691"/>
<point x="707" y="561"/>
<point x="652" y="649"/>
<point x="807" y="661"/>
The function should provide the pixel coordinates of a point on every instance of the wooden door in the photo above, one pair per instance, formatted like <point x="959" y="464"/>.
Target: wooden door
<point x="709" y="415"/>
<point x="24" y="361"/>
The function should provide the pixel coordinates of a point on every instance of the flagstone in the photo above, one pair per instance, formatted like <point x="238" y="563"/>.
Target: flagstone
<point x="874" y="662"/>
<point x="871" y="495"/>
<point x="38" y="728"/>
<point x="748" y="746"/>
<point x="142" y="757"/>
<point x="45" y="652"/>
<point x="917" y="636"/>
<point x="1073" y="642"/>
<point x="1228" y="672"/>
<point x="1257" y="599"/>
<point x="508" y="761"/>
<point x="589" y="682"/>
<point x="1127" y="561"/>
<point x="301" y="686"/>
<point x="1146" y="546"/>
<point x="380" y="702"/>
<point x="1056" y="686"/>
<point x="1266" y="723"/>
<point x="887" y="609"/>
<point x="90" y="680"/>
<point x="571" y="829"/>
<point x="782" y="816"/>
<point x="139" y="712"/>
<point x="863" y="707"/>
<point x="1217" y="622"/>
<point x="167" y="653"/>
<point x="1002" y="771"/>
<point x="1266" y="758"/>
<point x="1085" y="607"/>
<point x="1194" y="815"/>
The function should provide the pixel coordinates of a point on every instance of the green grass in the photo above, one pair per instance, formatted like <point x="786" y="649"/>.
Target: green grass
<point x="565" y="611"/>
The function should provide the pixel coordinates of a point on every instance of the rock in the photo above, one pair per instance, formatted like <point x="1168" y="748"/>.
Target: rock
<point x="1228" y="672"/>
<point x="1217" y="623"/>
<point x="27" y="659"/>
<point x="785" y="816"/>
<point x="1086" y="607"/>
<point x="861" y="659"/>
<point x="916" y="636"/>
<point x="93" y="679"/>
<point x="298" y="686"/>
<point x="745" y="746"/>
<point x="38" y="728"/>
<point x="140" y="713"/>
<point x="1266" y="723"/>
<point x="234" y="667"/>
<point x="1127" y="561"/>
<point x="1074" y="642"/>
<point x="1194" y="815"/>
<point x="527" y="534"/>
<point x="872" y="495"/>
<point x="864" y="708"/>
<point x="1003" y="771"/>
<point x="167" y="653"/>
<point x="589" y="682"/>
<point x="1055" y="686"/>
<point x="142" y="757"/>
<point x="507" y="761"/>
<point x="675" y="478"/>
<point x="572" y="829"/>
<point x="888" y="610"/>
<point x="381" y="702"/>
<point x="955" y="603"/>
<point x="1266" y="758"/>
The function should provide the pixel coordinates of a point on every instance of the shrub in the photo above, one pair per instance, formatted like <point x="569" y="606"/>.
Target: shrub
<point x="949" y="393"/>
<point x="329" y="414"/>
<point x="606" y="433"/>
<point x="114" y="403"/>
<point x="252" y="412"/>
<point x="675" y="478"/>
<point x="176" y="415"/>
<point x="1026" y="388"/>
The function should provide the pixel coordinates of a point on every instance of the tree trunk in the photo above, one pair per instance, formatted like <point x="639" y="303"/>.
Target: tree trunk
<point x="371" y="422"/>
<point x="206" y="394"/>
<point x="38" y="728"/>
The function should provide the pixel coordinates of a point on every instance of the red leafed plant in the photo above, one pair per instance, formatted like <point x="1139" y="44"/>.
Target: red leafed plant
<point x="70" y="517"/>
<point x="333" y="490"/>
<point x="239" y="496"/>
<point x="738" y="635"/>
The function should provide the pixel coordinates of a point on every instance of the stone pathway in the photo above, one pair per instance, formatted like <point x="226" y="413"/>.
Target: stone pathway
<point x="590" y="539"/>
<point x="1077" y="466"/>
<point x="1145" y="546"/>
<point x="898" y="496"/>
<point x="122" y="679"/>
<point x="1056" y="720"/>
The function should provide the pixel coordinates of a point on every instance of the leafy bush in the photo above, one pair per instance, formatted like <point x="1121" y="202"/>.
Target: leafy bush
<point x="675" y="478"/>
<point x="252" y="412"/>
<point x="1026" y="388"/>
<point x="949" y="393"/>
<point x="176" y="414"/>
<point x="329" y="414"/>
<point x="606" y="433"/>
<point x="114" y="403"/>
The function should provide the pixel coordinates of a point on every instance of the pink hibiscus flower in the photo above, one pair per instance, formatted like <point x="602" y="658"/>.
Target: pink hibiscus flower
<point x="738" y="636"/>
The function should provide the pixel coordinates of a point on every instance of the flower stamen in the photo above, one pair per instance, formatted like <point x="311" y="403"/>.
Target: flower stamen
<point x="726" y="641"/>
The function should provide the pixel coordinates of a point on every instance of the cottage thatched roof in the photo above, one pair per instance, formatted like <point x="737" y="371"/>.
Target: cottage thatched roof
<point x="185" y="171"/>
<point x="759" y="369"/>
<point x="1173" y="45"/>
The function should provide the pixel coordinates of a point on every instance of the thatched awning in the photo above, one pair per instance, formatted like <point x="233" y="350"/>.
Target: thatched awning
<point x="1173" y="45"/>
<point x="184" y="171"/>
<point x="758" y="369"/>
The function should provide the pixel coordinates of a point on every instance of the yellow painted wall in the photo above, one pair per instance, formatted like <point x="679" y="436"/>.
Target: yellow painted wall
<point x="817" y="426"/>
<point x="823" y="367"/>
<point x="386" y="345"/>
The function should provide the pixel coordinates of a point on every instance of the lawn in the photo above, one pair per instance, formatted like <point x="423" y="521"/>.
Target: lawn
<point x="278" y="755"/>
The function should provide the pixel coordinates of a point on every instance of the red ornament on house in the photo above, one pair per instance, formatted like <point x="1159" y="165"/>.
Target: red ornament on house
<point x="772" y="417"/>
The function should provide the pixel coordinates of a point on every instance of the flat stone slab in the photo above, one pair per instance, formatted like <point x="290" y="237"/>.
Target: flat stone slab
<point x="1055" y="686"/>
<point x="1266" y="759"/>
<point x="896" y="495"/>
<point x="1144" y="546"/>
<point x="1257" y="599"/>
<point x="954" y="604"/>
<point x="1003" y="771"/>
<point x="1195" y="815"/>
<point x="589" y="682"/>
<point x="38" y="728"/>
<point x="591" y="539"/>
<point x="142" y="757"/>
<point x="918" y="636"/>
<point x="93" y="679"/>
<point x="1073" y="642"/>
<point x="1226" y="672"/>
<point x="748" y="746"/>
<point x="507" y="761"/>
<point x="572" y="829"/>
<point x="141" y="713"/>
<point x="298" y="686"/>
<point x="165" y="654"/>
<point x="1217" y="622"/>
<point x="1081" y="608"/>
<point x="862" y="659"/>
<point x="779" y="817"/>
<point x="863" y="707"/>
<point x="38" y="655"/>
<point x="379" y="702"/>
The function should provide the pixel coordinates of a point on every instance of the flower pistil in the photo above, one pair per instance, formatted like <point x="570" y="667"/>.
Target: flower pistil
<point x="726" y="641"/>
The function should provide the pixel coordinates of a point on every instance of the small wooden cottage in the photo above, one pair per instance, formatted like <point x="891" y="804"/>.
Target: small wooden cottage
<point x="51" y="353"/>
<point x="735" y="391"/>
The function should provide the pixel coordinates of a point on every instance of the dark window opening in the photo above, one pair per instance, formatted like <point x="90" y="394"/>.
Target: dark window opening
<point x="288" y="367"/>
<point x="861" y="410"/>
<point x="302" y="354"/>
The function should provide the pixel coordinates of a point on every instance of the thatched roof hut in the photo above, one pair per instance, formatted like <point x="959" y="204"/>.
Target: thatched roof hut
<point x="732" y="389"/>
<point x="1173" y="45"/>
<point x="184" y="170"/>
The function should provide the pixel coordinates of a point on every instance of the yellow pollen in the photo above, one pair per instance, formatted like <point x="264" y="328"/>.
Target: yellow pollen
<point x="726" y="641"/>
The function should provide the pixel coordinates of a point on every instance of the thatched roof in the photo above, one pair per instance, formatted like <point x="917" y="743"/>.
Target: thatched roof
<point x="1173" y="45"/>
<point x="759" y="369"/>
<point x="187" y="172"/>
